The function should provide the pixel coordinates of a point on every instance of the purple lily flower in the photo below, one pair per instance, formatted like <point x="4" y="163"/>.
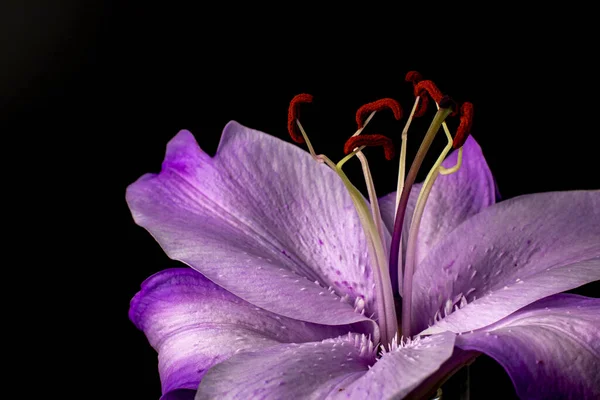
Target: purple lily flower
<point x="286" y="298"/>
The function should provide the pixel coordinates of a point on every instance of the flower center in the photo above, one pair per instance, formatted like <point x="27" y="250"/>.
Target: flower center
<point x="385" y="269"/>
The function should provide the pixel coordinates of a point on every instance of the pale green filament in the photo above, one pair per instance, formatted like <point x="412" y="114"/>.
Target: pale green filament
<point x="386" y="311"/>
<point x="402" y="163"/>
<point x="385" y="298"/>
<point x="375" y="211"/>
<point x="349" y="156"/>
<point x="435" y="171"/>
<point x="448" y="171"/>
<point x="319" y="158"/>
<point x="400" y="184"/>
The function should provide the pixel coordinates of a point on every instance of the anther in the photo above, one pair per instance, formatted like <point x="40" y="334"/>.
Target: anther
<point x="415" y="77"/>
<point x="294" y="114"/>
<point x="464" y="128"/>
<point x="430" y="88"/>
<point x="378" y="105"/>
<point x="371" y="140"/>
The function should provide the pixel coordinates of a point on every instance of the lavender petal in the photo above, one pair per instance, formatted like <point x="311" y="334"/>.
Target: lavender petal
<point x="193" y="324"/>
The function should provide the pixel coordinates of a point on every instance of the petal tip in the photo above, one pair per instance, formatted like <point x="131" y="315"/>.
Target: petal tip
<point x="140" y="301"/>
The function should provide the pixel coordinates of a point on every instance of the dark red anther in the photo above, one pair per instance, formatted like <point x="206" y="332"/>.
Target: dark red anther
<point x="415" y="77"/>
<point x="371" y="140"/>
<point x="464" y="128"/>
<point x="429" y="87"/>
<point x="378" y="105"/>
<point x="294" y="114"/>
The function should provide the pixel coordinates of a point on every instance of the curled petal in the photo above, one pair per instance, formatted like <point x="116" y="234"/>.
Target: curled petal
<point x="550" y="349"/>
<point x="193" y="324"/>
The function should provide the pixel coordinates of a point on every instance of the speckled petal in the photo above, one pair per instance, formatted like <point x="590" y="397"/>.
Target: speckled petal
<point x="508" y="256"/>
<point x="344" y="367"/>
<point x="263" y="220"/>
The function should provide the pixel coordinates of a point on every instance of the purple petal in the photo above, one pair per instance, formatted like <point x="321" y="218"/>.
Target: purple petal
<point x="400" y="371"/>
<point x="328" y="369"/>
<point x="509" y="255"/>
<point x="194" y="324"/>
<point x="309" y="370"/>
<point x="550" y="349"/>
<point x="453" y="199"/>
<point x="263" y="220"/>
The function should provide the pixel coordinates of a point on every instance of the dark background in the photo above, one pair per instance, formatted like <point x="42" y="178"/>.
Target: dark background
<point x="92" y="91"/>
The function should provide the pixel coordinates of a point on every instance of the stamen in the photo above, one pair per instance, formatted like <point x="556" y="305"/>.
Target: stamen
<point x="434" y="127"/>
<point x="378" y="106"/>
<point x="403" y="144"/>
<point x="294" y="113"/>
<point x="374" y="226"/>
<point x="386" y="311"/>
<point x="355" y="152"/>
<point x="411" y="247"/>
<point x="308" y="143"/>
<point x="466" y="122"/>
<point x="448" y="171"/>
<point x="430" y="88"/>
<point x="373" y="200"/>
<point x="371" y="140"/>
<point x="397" y="273"/>
<point x="415" y="77"/>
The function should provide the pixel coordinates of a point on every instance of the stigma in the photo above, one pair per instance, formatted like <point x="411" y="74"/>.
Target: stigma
<point x="387" y="266"/>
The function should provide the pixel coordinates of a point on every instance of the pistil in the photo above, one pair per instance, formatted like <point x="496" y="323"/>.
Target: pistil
<point x="463" y="131"/>
<point x="397" y="272"/>
<point x="434" y="127"/>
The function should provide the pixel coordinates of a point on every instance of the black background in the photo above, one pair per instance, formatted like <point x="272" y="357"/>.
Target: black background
<point x="92" y="91"/>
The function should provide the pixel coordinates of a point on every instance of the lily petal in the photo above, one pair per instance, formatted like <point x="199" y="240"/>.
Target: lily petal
<point x="453" y="199"/>
<point x="400" y="371"/>
<point x="508" y="256"/>
<point x="263" y="220"/>
<point x="550" y="349"/>
<point x="194" y="324"/>
<point x="329" y="369"/>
